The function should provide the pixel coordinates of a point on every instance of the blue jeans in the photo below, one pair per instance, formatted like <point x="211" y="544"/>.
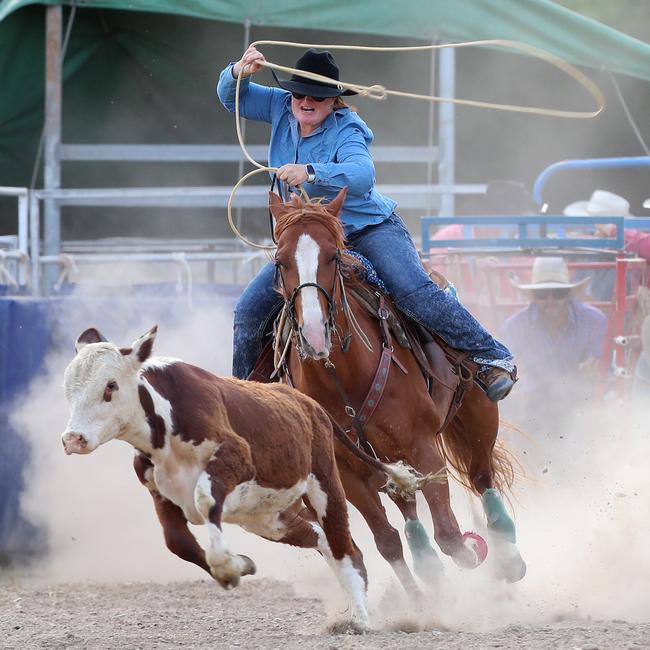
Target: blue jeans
<point x="390" y="249"/>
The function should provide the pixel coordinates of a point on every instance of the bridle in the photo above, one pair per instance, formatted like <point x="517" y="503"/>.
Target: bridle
<point x="290" y="301"/>
<point x="358" y="417"/>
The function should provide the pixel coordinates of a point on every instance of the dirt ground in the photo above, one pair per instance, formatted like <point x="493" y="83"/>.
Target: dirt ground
<point x="262" y="614"/>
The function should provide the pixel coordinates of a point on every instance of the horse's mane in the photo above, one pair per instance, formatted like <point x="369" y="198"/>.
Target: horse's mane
<point x="312" y="212"/>
<point x="315" y="211"/>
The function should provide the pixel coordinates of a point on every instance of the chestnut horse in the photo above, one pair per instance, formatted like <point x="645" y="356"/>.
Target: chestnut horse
<point x="336" y="353"/>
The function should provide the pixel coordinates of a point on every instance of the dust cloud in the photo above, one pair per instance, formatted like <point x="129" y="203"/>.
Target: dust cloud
<point x="582" y="514"/>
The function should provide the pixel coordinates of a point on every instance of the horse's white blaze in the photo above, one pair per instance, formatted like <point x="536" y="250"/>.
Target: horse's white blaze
<point x="313" y="320"/>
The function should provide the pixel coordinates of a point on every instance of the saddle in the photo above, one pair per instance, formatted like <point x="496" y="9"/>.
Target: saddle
<point x="443" y="367"/>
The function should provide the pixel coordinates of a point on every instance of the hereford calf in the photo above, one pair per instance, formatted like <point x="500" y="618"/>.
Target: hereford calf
<point x="212" y="450"/>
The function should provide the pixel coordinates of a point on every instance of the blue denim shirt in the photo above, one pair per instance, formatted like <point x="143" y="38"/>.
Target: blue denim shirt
<point x="337" y="150"/>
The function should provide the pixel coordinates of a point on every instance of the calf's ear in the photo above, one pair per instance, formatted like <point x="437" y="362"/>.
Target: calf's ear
<point x="142" y="347"/>
<point x="91" y="335"/>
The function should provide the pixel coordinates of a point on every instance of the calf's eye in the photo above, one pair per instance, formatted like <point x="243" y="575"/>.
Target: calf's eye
<point x="111" y="387"/>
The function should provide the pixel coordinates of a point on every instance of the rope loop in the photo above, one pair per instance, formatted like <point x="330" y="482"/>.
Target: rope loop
<point x="381" y="93"/>
<point x="374" y="92"/>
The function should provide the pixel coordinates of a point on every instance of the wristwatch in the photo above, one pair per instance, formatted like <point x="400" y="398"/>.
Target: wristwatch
<point x="311" y="174"/>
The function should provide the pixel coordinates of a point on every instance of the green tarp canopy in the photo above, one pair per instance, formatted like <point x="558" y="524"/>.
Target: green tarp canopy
<point x="151" y="57"/>
<point x="543" y="23"/>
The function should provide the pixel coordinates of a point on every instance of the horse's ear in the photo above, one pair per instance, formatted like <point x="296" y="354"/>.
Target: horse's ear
<point x="334" y="206"/>
<point x="276" y="206"/>
<point x="295" y="201"/>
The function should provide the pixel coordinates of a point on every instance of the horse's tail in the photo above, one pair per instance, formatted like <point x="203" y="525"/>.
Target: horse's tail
<point x="458" y="449"/>
<point x="402" y="479"/>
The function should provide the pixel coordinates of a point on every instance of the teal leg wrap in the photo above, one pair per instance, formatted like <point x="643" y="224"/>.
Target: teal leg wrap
<point x="499" y="520"/>
<point x="426" y="563"/>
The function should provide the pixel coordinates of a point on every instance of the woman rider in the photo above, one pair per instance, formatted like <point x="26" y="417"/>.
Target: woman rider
<point x="319" y="143"/>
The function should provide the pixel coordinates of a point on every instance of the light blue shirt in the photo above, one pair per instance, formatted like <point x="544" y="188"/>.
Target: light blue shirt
<point x="337" y="150"/>
<point x="545" y="356"/>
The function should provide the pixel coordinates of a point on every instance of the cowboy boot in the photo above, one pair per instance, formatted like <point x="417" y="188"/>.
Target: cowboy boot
<point x="496" y="382"/>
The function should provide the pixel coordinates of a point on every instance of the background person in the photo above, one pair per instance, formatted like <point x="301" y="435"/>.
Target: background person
<point x="607" y="204"/>
<point x="557" y="338"/>
<point x="317" y="142"/>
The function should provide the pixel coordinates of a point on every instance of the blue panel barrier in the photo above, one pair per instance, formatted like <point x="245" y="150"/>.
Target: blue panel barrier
<point x="637" y="223"/>
<point x="553" y="226"/>
<point x="24" y="341"/>
<point x="32" y="328"/>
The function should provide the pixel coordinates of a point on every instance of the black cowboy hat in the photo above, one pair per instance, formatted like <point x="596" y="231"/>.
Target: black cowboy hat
<point x="319" y="63"/>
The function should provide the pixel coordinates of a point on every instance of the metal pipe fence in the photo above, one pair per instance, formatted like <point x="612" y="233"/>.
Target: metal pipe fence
<point x="20" y="252"/>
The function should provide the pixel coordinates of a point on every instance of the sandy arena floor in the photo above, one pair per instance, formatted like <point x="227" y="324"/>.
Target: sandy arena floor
<point x="260" y="614"/>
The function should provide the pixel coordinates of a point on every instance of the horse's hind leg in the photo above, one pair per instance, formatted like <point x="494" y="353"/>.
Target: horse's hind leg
<point x="426" y="563"/>
<point x="473" y="434"/>
<point x="387" y="540"/>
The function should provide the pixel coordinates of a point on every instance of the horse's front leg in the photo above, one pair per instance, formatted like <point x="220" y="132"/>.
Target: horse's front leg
<point x="468" y="550"/>
<point x="426" y="563"/>
<point x="365" y="498"/>
<point x="229" y="466"/>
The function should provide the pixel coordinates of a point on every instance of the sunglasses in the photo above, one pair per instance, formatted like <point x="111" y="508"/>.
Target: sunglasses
<point x="300" y="97"/>
<point x="543" y="294"/>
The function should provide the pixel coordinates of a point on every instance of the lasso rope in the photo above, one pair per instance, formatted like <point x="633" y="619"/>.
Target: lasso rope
<point x="380" y="92"/>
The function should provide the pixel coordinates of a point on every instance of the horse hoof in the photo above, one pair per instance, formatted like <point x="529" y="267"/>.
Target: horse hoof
<point x="510" y="566"/>
<point x="475" y="541"/>
<point x="475" y="550"/>
<point x="513" y="570"/>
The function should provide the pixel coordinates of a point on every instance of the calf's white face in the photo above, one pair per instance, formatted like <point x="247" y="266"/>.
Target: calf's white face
<point x="101" y="386"/>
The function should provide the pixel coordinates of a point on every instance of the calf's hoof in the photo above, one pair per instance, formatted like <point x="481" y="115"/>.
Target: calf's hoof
<point x="249" y="568"/>
<point x="350" y="626"/>
<point x="229" y="573"/>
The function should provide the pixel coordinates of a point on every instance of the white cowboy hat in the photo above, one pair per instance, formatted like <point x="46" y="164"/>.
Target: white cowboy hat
<point x="550" y="273"/>
<point x="601" y="204"/>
